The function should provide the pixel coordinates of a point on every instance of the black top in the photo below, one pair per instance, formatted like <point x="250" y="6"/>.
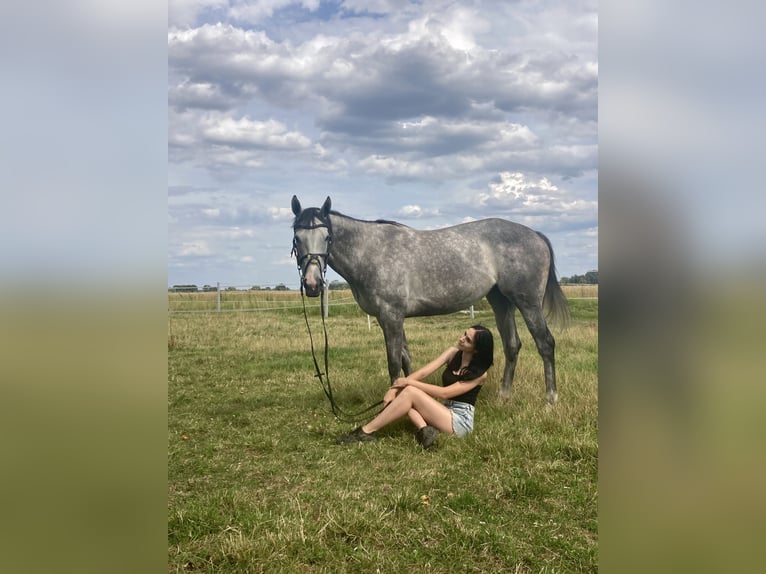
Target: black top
<point x="449" y="378"/>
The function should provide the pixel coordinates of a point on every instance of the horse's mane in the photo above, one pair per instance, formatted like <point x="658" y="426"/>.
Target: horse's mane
<point x="307" y="216"/>
<point x="380" y="221"/>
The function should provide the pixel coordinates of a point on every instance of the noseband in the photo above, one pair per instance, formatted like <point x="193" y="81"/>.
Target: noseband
<point x="320" y="259"/>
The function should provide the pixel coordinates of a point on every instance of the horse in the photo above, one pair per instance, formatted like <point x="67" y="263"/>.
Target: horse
<point x="395" y="271"/>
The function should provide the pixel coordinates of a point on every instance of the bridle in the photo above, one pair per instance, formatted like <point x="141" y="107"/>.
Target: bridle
<point x="320" y="259"/>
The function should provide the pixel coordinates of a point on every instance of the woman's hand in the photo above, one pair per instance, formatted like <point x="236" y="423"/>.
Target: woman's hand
<point x="400" y="383"/>
<point x="395" y="388"/>
<point x="390" y="395"/>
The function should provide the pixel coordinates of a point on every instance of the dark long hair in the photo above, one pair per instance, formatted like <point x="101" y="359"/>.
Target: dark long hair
<point x="483" y="356"/>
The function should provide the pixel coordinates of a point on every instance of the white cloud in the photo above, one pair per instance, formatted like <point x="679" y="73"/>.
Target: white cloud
<point x="203" y="95"/>
<point x="384" y="67"/>
<point x="410" y="211"/>
<point x="280" y="213"/>
<point x="372" y="6"/>
<point x="253" y="11"/>
<point x="515" y="192"/>
<point x="223" y="158"/>
<point x="516" y="184"/>
<point x="235" y="233"/>
<point x="397" y="99"/>
<point x="197" y="248"/>
<point x="269" y="134"/>
<point x="220" y="142"/>
<point x="417" y="212"/>
<point x="457" y="25"/>
<point x="183" y="13"/>
<point x="440" y="136"/>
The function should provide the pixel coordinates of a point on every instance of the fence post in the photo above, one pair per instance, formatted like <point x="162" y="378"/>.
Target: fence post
<point x="471" y="311"/>
<point x="325" y="302"/>
<point x="218" y="295"/>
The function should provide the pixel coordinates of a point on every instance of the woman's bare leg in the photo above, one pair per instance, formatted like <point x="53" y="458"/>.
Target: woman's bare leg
<point x="416" y="419"/>
<point x="414" y="415"/>
<point x="429" y="409"/>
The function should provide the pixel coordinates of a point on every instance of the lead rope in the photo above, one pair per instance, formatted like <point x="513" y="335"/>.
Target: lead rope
<point x="324" y="378"/>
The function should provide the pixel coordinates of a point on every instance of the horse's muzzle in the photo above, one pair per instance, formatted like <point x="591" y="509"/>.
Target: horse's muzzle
<point x="314" y="291"/>
<point x="313" y="281"/>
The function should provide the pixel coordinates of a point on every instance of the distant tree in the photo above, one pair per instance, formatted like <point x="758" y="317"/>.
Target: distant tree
<point x="208" y="288"/>
<point x="230" y="288"/>
<point x="281" y="287"/>
<point x="255" y="288"/>
<point x="590" y="278"/>
<point x="337" y="285"/>
<point x="185" y="288"/>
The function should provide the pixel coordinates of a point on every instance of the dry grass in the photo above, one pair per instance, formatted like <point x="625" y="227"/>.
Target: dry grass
<point x="257" y="483"/>
<point x="577" y="291"/>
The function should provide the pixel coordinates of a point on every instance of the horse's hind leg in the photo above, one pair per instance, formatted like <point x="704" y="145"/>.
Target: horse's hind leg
<point x="506" y="324"/>
<point x="535" y="320"/>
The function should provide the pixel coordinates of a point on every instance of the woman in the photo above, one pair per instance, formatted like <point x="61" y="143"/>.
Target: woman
<point x="466" y="371"/>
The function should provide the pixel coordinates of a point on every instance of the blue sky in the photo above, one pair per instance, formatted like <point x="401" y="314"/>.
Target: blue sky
<point x="429" y="113"/>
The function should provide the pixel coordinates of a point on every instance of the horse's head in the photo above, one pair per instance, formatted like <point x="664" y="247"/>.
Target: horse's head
<point x="312" y="237"/>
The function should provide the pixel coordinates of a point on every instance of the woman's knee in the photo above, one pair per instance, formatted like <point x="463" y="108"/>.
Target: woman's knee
<point x="413" y="391"/>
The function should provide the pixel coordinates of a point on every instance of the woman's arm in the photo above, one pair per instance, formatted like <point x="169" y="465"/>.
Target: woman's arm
<point x="439" y="392"/>
<point x="420" y="374"/>
<point x="432" y="367"/>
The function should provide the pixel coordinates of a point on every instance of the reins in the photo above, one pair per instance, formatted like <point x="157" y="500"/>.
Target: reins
<point x="320" y="259"/>
<point x="324" y="378"/>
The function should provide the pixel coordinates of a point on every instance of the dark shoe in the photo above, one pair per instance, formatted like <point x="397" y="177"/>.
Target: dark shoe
<point x="356" y="435"/>
<point x="427" y="436"/>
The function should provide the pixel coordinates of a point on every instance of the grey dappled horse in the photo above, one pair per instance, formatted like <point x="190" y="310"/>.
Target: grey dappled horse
<point x="395" y="271"/>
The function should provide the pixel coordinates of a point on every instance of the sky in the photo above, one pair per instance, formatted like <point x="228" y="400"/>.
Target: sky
<point x="429" y="113"/>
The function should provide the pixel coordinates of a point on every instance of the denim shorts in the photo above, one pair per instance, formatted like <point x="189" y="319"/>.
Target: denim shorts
<point x="462" y="417"/>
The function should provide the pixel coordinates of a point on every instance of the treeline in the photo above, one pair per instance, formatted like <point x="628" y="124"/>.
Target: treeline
<point x="207" y="288"/>
<point x="590" y="278"/>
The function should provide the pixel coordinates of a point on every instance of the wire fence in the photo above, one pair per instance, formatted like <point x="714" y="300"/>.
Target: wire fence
<point x="223" y="301"/>
<point x="226" y="300"/>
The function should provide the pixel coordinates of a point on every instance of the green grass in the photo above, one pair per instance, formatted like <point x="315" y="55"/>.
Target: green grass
<point x="257" y="484"/>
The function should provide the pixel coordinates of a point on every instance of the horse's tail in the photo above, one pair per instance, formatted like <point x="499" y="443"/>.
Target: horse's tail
<point x="554" y="301"/>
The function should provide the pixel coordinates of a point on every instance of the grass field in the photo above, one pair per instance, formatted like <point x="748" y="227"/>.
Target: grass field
<point x="256" y="482"/>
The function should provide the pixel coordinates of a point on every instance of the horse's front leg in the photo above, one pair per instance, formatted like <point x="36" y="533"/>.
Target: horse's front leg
<point x="406" y="359"/>
<point x="393" y="333"/>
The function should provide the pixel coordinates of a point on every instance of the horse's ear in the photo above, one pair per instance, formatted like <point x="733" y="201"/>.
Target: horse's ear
<point x="296" y="205"/>
<point x="326" y="207"/>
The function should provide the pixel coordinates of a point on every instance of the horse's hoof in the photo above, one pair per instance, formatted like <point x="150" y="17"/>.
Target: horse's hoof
<point x="552" y="397"/>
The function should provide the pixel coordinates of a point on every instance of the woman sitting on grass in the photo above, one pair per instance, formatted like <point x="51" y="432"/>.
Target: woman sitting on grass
<point x="466" y="371"/>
